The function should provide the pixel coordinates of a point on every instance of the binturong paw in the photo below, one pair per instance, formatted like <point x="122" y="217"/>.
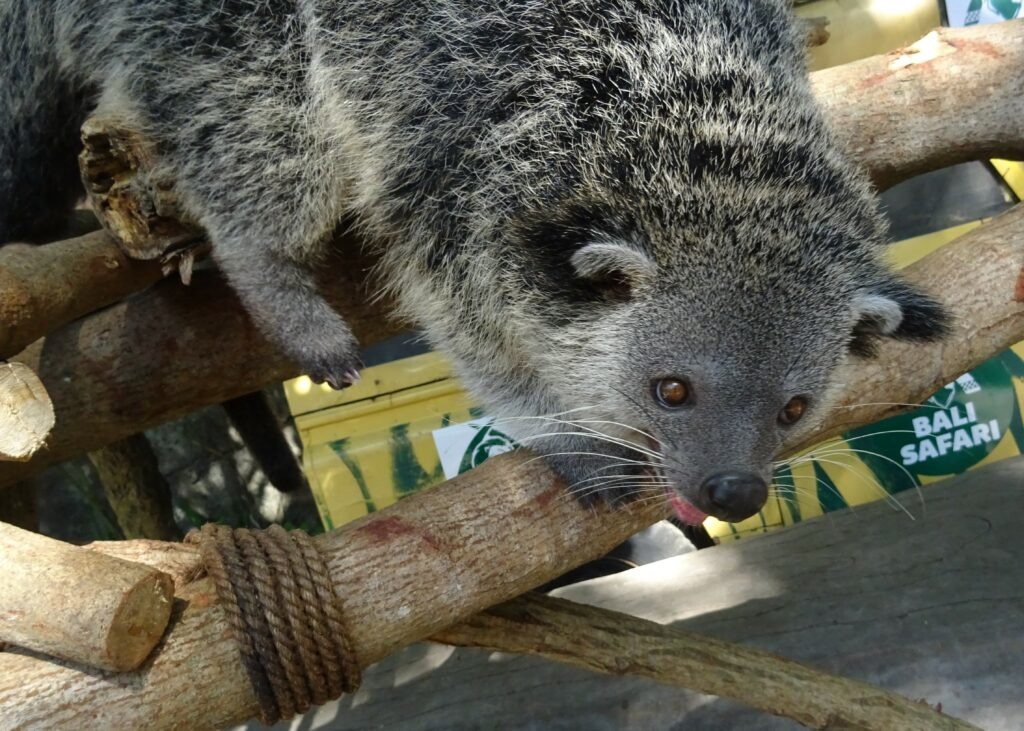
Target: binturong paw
<point x="337" y="376"/>
<point x="337" y="364"/>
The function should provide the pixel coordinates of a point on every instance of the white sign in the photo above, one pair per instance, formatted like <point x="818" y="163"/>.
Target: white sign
<point x="463" y="446"/>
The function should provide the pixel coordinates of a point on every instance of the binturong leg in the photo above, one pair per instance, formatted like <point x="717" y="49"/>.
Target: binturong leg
<point x="280" y="295"/>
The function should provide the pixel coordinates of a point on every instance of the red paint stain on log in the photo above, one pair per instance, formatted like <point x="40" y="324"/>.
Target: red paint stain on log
<point x="387" y="529"/>
<point x="1018" y="292"/>
<point x="977" y="46"/>
<point x="540" y="503"/>
<point x="431" y="540"/>
<point x="545" y="498"/>
<point x="874" y="80"/>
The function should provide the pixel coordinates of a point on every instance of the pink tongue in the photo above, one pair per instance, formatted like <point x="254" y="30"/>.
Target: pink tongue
<point x="686" y="512"/>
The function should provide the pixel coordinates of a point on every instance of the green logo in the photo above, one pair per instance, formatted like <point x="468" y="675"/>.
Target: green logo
<point x="1006" y="9"/>
<point x="487" y="442"/>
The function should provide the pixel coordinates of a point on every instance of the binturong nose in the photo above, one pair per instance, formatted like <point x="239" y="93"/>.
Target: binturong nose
<point x="733" y="496"/>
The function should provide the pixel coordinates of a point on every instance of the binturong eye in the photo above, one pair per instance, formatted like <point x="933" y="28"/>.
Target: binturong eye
<point x="672" y="392"/>
<point x="793" y="411"/>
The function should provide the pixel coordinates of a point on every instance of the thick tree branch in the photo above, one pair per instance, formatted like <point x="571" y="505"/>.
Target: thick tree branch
<point x="459" y="571"/>
<point x="26" y="413"/>
<point x="45" y="287"/>
<point x="954" y="96"/>
<point x="981" y="279"/>
<point x="138" y="494"/>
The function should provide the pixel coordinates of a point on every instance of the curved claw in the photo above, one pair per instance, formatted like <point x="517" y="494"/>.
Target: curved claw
<point x="349" y="376"/>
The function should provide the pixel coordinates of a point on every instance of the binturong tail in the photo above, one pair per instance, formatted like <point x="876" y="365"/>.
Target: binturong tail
<point x="40" y="115"/>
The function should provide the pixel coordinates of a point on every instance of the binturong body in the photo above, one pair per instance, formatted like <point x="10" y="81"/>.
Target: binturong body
<point x="624" y="220"/>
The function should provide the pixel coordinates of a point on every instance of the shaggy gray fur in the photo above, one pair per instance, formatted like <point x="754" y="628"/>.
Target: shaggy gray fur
<point x="574" y="199"/>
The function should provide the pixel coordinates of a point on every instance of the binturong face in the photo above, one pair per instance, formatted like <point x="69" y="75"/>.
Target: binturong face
<point x="684" y="378"/>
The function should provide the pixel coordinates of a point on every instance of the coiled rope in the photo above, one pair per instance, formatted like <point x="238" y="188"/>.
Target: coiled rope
<point x="286" y="617"/>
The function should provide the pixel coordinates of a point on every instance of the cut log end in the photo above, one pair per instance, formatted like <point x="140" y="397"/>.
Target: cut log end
<point x="140" y="621"/>
<point x="26" y="413"/>
<point x="80" y="605"/>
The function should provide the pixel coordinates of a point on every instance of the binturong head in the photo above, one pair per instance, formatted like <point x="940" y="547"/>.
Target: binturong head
<point x="678" y="258"/>
<point x="684" y="356"/>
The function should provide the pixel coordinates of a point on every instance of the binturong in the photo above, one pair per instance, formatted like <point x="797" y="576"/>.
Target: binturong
<point x="624" y="220"/>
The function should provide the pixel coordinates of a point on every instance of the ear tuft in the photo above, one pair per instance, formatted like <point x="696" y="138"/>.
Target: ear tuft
<point x="894" y="309"/>
<point x="612" y="266"/>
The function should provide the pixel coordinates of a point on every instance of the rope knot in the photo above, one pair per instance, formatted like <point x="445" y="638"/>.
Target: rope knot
<point x="285" y="615"/>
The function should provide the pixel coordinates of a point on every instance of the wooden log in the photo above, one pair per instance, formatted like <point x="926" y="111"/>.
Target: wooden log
<point x="167" y="352"/>
<point x="138" y="209"/>
<point x="45" y="287"/>
<point x="180" y="561"/>
<point x="930" y="609"/>
<point x="26" y="413"/>
<point x="954" y="96"/>
<point x="619" y="644"/>
<point x="138" y="494"/>
<point x="79" y="605"/>
<point x="459" y="570"/>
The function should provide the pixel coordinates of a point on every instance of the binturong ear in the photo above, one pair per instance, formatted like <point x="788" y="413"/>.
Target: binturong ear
<point x="895" y="309"/>
<point x="614" y="268"/>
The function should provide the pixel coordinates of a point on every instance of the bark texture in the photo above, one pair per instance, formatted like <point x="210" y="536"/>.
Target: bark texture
<point x="619" y="644"/>
<point x="43" y="288"/>
<point x="954" y="96"/>
<point x="139" y="210"/>
<point x="196" y="679"/>
<point x="138" y="494"/>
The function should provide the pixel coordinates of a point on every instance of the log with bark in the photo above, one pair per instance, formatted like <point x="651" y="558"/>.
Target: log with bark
<point x="43" y="288"/>
<point x="79" y="605"/>
<point x="618" y="644"/>
<point x="954" y="96"/>
<point x="136" y="207"/>
<point x="460" y="570"/>
<point x="138" y="494"/>
<point x="924" y="608"/>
